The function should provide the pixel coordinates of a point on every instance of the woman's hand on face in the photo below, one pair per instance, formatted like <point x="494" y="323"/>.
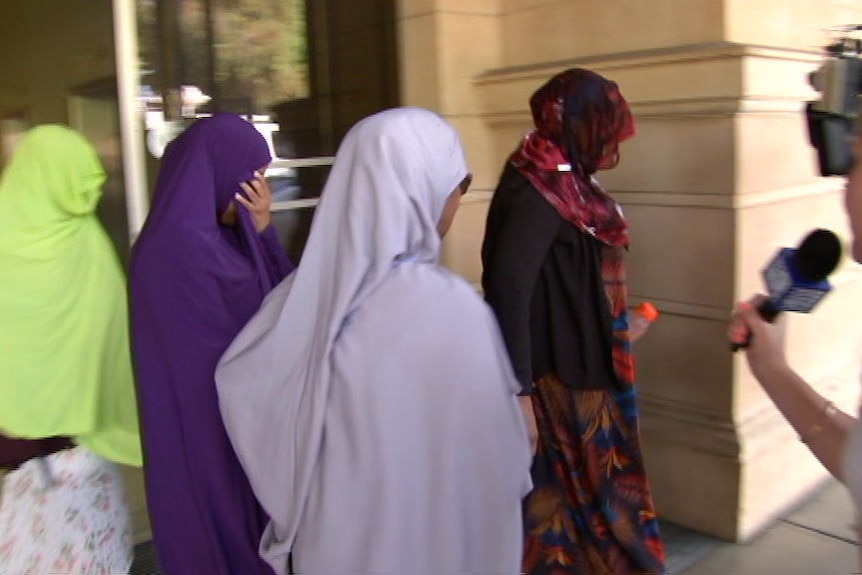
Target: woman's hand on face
<point x="258" y="202"/>
<point x="765" y="347"/>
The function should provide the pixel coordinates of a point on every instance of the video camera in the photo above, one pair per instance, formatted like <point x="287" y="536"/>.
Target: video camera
<point x="832" y="119"/>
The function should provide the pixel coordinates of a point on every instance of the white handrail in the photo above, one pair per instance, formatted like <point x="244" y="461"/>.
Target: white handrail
<point x="305" y="203"/>
<point x="302" y="162"/>
<point x="313" y="162"/>
<point x="294" y="204"/>
<point x="475" y="196"/>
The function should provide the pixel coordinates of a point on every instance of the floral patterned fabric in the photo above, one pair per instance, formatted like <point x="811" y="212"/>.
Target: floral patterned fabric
<point x="64" y="514"/>
<point x="590" y="512"/>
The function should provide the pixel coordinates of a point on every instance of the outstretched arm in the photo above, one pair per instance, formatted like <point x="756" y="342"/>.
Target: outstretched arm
<point x="820" y="425"/>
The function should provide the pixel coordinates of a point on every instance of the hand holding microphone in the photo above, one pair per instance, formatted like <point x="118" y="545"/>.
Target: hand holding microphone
<point x="795" y="280"/>
<point x="763" y="342"/>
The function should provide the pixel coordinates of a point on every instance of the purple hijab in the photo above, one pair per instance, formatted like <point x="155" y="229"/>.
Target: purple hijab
<point x="194" y="285"/>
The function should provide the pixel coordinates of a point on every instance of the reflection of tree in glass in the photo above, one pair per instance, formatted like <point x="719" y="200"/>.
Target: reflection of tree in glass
<point x="260" y="49"/>
<point x="148" y="38"/>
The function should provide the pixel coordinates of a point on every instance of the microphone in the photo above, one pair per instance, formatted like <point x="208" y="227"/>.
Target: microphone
<point x="796" y="278"/>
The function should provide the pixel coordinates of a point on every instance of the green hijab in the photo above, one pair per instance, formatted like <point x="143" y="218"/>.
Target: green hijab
<point x="65" y="367"/>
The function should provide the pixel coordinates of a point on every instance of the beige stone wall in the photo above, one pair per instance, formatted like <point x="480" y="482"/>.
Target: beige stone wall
<point x="444" y="46"/>
<point x="544" y="31"/>
<point x="794" y="24"/>
<point x="719" y="176"/>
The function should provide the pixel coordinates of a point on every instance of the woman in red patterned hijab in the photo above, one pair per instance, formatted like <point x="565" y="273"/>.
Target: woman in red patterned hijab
<point x="580" y="118"/>
<point x="554" y="275"/>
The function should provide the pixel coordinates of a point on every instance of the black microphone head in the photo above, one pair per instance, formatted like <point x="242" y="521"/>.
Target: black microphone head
<point x="818" y="255"/>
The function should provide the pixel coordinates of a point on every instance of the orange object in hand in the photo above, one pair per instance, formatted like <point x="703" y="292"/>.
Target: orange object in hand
<point x="647" y="311"/>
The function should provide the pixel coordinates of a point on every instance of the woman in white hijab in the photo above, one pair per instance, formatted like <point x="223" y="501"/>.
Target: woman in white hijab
<point x="370" y="400"/>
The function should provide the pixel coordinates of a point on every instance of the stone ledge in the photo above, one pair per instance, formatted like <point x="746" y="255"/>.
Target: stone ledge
<point x="668" y="422"/>
<point x="715" y="79"/>
<point x="746" y="438"/>
<point x="727" y="201"/>
<point x="651" y="57"/>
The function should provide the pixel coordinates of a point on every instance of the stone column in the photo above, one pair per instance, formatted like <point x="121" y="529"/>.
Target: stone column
<point x="444" y="47"/>
<point x="719" y="176"/>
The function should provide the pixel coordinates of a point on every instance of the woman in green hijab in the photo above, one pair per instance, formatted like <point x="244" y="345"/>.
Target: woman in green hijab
<point x="67" y="401"/>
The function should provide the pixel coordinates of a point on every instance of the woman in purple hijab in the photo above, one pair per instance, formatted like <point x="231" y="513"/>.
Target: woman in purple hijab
<point x="203" y="263"/>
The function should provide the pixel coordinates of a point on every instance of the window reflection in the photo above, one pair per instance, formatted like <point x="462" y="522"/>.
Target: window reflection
<point x="203" y="56"/>
<point x="242" y="56"/>
<point x="293" y="227"/>
<point x="303" y="71"/>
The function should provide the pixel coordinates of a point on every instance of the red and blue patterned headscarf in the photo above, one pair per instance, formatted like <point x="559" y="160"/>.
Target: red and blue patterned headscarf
<point x="580" y="119"/>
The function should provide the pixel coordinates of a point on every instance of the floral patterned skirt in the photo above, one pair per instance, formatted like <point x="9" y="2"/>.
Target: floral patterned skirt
<point x="64" y="514"/>
<point x="590" y="512"/>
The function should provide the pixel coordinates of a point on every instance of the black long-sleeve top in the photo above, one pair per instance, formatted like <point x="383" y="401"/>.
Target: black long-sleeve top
<point x="542" y="277"/>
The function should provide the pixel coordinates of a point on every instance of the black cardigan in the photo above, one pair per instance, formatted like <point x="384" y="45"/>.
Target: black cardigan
<point x="542" y="277"/>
